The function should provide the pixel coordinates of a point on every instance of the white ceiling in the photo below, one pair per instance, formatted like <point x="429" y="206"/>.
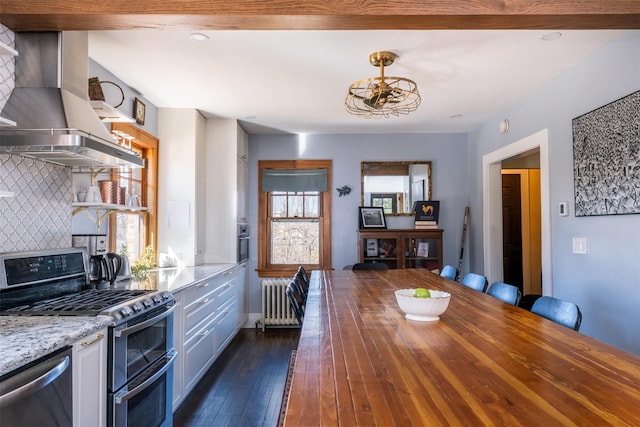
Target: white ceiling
<point x="296" y="81"/>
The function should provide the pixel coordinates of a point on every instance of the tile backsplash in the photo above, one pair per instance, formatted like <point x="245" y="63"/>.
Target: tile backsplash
<point x="39" y="215"/>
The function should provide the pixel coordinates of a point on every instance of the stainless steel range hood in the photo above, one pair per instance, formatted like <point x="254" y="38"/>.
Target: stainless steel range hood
<point x="55" y="121"/>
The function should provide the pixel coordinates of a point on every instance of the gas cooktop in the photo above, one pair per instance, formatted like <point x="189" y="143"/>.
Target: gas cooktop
<point x="55" y="283"/>
<point x="85" y="303"/>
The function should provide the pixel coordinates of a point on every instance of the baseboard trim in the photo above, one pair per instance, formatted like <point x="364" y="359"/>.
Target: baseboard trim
<point x="252" y="319"/>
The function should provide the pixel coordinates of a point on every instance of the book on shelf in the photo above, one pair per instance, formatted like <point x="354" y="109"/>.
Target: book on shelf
<point x="426" y="227"/>
<point x="426" y="224"/>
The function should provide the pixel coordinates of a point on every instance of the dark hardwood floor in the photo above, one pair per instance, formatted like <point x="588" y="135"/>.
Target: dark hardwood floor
<point x="245" y="384"/>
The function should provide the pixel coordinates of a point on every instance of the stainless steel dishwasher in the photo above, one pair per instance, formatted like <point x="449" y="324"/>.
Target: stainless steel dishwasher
<point x="38" y="394"/>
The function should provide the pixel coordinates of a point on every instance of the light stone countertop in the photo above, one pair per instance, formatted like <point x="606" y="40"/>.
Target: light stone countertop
<point x="24" y="339"/>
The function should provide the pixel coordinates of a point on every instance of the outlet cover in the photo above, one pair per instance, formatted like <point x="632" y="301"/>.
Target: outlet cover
<point x="580" y="245"/>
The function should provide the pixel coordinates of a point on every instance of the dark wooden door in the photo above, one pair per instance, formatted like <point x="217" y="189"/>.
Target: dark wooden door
<point x="512" y="230"/>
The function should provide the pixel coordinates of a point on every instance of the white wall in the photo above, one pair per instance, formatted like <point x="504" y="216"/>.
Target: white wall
<point x="604" y="282"/>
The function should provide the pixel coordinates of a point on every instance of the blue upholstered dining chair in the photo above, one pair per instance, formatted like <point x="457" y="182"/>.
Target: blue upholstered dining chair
<point x="449" y="271"/>
<point x="475" y="281"/>
<point x="563" y="312"/>
<point x="505" y="292"/>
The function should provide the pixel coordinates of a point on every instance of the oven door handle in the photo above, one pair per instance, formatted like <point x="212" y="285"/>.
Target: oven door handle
<point x="123" y="396"/>
<point x="244" y="238"/>
<point x="135" y="328"/>
<point x="24" y="390"/>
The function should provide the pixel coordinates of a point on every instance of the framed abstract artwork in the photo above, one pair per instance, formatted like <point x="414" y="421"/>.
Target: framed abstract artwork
<point x="606" y="159"/>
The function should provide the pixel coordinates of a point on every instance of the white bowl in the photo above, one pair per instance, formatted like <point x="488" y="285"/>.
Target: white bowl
<point x="423" y="309"/>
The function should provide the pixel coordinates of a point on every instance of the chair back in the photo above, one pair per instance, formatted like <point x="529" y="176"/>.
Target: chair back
<point x="449" y="271"/>
<point x="505" y="292"/>
<point x="475" y="281"/>
<point x="295" y="299"/>
<point x="563" y="312"/>
<point x="303" y="279"/>
<point x="370" y="266"/>
<point x="302" y="287"/>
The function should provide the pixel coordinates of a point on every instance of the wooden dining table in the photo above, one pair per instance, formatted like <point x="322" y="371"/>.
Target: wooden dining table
<point x="360" y="362"/>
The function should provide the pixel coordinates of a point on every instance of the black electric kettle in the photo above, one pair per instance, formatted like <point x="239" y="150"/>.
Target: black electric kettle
<point x="101" y="271"/>
<point x="115" y="264"/>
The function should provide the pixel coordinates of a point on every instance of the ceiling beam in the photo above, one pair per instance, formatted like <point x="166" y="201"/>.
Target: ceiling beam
<point x="60" y="15"/>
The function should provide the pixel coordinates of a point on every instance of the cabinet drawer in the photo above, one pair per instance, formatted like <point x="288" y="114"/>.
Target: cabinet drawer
<point x="197" y="292"/>
<point x="226" y="324"/>
<point x="198" y="353"/>
<point x="198" y="311"/>
<point x="226" y="291"/>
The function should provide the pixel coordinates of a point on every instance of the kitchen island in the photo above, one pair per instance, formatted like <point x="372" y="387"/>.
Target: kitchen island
<point x="360" y="362"/>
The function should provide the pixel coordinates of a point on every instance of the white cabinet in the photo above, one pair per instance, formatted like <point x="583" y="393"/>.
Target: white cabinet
<point x="243" y="174"/>
<point x="178" y="341"/>
<point x="208" y="317"/>
<point x="243" y="190"/>
<point x="90" y="380"/>
<point x="243" y="293"/>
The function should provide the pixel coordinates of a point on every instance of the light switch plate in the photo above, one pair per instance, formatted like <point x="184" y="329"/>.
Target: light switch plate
<point x="580" y="245"/>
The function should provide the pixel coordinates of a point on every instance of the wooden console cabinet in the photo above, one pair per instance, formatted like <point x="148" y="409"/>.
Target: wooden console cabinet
<point x="408" y="248"/>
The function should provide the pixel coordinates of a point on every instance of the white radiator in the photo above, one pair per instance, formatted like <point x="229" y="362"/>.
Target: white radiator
<point x="276" y="309"/>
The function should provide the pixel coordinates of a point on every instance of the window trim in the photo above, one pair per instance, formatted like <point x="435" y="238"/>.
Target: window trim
<point x="149" y="196"/>
<point x="264" y="230"/>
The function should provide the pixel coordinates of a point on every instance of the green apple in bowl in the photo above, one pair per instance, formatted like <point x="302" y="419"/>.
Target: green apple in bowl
<point x="422" y="293"/>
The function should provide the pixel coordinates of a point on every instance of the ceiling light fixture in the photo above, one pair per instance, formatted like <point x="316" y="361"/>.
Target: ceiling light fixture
<point x="382" y="96"/>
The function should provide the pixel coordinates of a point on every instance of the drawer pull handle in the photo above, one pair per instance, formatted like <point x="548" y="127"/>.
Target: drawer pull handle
<point x="203" y="285"/>
<point x="88" y="343"/>
<point x="204" y="301"/>
<point x="227" y="273"/>
<point x="203" y="332"/>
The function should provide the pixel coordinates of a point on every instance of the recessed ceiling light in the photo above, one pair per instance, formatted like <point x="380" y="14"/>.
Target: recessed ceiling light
<point x="250" y="117"/>
<point x="551" y="36"/>
<point x="455" y="116"/>
<point x="199" y="37"/>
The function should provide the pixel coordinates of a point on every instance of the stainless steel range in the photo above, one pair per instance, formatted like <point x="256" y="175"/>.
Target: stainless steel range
<point x="141" y="353"/>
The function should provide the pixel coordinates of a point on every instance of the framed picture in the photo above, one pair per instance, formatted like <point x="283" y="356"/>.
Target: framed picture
<point x="371" y="217"/>
<point x="423" y="249"/>
<point x="606" y="165"/>
<point x="138" y="111"/>
<point x="427" y="210"/>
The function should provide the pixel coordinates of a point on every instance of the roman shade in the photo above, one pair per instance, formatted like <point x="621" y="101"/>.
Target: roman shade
<point x="294" y="180"/>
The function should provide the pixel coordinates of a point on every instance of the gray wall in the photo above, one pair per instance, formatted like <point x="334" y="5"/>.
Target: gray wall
<point x="604" y="282"/>
<point x="447" y="152"/>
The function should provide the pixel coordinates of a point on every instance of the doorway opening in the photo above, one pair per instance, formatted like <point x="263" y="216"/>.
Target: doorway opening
<point x="494" y="254"/>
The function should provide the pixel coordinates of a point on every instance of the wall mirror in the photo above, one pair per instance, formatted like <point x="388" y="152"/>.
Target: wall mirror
<point x="395" y="186"/>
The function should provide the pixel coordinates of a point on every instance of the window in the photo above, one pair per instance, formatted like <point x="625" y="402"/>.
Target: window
<point x="295" y="216"/>
<point x="134" y="229"/>
<point x="386" y="201"/>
